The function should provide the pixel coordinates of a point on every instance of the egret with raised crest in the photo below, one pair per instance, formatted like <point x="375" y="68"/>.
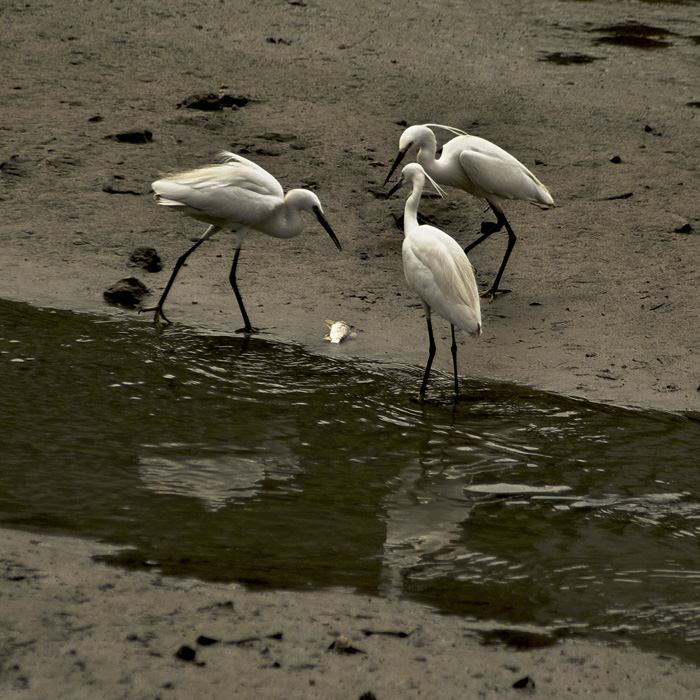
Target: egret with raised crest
<point x="480" y="168"/>
<point x="238" y="195"/>
<point x="439" y="271"/>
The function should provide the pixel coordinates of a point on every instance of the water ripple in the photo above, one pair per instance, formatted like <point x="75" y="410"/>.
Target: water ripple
<point x="242" y="460"/>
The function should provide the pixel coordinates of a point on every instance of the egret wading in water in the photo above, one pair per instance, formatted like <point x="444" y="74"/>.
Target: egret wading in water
<point x="240" y="196"/>
<point x="438" y="270"/>
<point x="480" y="168"/>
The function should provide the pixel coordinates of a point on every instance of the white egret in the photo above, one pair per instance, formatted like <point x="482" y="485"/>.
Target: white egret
<point x="438" y="270"/>
<point x="480" y="168"/>
<point x="241" y="196"/>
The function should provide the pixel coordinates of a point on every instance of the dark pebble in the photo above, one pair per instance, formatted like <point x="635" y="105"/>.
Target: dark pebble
<point x="133" y="136"/>
<point x="185" y="653"/>
<point x="686" y="228"/>
<point x="126" y="292"/>
<point x="213" y="102"/>
<point x="147" y="258"/>
<point x="525" y="683"/>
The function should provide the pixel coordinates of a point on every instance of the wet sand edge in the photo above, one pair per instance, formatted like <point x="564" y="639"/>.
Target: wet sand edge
<point x="76" y="627"/>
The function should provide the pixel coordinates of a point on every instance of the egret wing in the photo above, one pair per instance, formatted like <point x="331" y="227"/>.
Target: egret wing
<point x="244" y="174"/>
<point x="263" y="179"/>
<point x="227" y="194"/>
<point x="438" y="270"/>
<point x="497" y="174"/>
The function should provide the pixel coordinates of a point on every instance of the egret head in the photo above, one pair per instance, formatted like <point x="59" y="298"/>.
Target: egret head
<point x="418" y="135"/>
<point x="411" y="174"/>
<point x="305" y="200"/>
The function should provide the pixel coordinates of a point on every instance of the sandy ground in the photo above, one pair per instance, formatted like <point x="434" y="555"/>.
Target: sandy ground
<point x="74" y="629"/>
<point x="604" y="291"/>
<point x="604" y="285"/>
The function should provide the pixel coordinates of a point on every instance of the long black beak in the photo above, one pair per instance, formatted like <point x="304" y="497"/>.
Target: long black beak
<point x="399" y="158"/>
<point x="324" y="222"/>
<point x="397" y="186"/>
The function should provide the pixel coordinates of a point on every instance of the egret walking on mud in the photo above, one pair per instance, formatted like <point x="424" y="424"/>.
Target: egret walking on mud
<point x="479" y="167"/>
<point x="439" y="271"/>
<point x="238" y="195"/>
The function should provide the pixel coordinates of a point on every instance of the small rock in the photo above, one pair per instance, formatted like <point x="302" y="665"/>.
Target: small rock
<point x="133" y="136"/>
<point x="212" y="102"/>
<point x="685" y="228"/>
<point x="147" y="258"/>
<point x="525" y="683"/>
<point x="126" y="292"/>
<point x="185" y="653"/>
<point x="616" y="159"/>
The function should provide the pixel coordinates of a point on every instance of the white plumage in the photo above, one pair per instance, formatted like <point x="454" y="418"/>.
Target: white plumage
<point x="439" y="271"/>
<point x="478" y="167"/>
<point x="238" y="195"/>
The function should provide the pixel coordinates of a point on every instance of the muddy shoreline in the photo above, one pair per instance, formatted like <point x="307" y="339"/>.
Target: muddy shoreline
<point x="603" y="288"/>
<point x="76" y="628"/>
<point x="604" y="285"/>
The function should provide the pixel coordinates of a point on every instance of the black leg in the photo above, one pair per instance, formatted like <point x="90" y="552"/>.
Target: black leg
<point x="509" y="249"/>
<point x="454" y="362"/>
<point x="431" y="353"/>
<point x="247" y="328"/>
<point x="158" y="308"/>
<point x="501" y="221"/>
<point x="482" y="238"/>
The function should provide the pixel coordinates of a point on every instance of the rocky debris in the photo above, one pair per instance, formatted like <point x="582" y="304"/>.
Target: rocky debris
<point x="132" y="136"/>
<point x="212" y="101"/>
<point x="126" y="292"/>
<point x="146" y="258"/>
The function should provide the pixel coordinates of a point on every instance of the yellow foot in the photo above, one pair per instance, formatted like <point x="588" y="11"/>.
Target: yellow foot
<point x="159" y="318"/>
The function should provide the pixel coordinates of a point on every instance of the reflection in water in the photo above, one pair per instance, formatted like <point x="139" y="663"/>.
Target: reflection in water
<point x="215" y="481"/>
<point x="258" y="463"/>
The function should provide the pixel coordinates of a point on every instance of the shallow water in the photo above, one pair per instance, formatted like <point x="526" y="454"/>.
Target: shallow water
<point x="259" y="463"/>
